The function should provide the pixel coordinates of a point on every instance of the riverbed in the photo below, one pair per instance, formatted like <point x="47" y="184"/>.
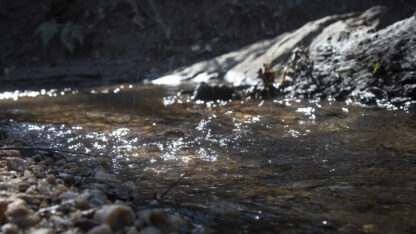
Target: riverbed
<point x="291" y="166"/>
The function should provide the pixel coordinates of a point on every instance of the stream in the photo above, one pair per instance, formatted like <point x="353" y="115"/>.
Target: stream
<point x="289" y="166"/>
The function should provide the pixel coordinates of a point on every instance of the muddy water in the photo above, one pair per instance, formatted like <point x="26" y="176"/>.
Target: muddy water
<point x="282" y="166"/>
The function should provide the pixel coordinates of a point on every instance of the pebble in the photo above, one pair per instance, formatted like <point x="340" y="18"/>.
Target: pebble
<point x="81" y="201"/>
<point x="117" y="216"/>
<point x="9" y="228"/>
<point x="68" y="195"/>
<point x="102" y="229"/>
<point x="19" y="214"/>
<point x="15" y="164"/>
<point x="43" y="188"/>
<point x="165" y="222"/>
<point x="132" y="230"/>
<point x="97" y="198"/>
<point x="101" y="175"/>
<point x="43" y="231"/>
<point x="85" y="224"/>
<point x="10" y="153"/>
<point x="150" y="230"/>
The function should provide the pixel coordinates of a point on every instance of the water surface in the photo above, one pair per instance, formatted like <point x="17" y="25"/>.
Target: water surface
<point x="281" y="166"/>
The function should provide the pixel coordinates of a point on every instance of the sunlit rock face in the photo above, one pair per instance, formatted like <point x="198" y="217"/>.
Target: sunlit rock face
<point x="365" y="57"/>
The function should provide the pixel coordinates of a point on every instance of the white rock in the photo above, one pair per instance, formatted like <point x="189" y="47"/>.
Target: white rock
<point x="43" y="231"/>
<point x="9" y="228"/>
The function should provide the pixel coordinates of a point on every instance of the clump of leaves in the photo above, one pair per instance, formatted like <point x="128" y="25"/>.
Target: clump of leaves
<point x="268" y="75"/>
<point x="376" y="67"/>
<point x="70" y="34"/>
<point x="47" y="31"/>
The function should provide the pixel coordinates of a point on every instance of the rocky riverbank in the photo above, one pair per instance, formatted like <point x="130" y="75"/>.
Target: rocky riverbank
<point x="44" y="194"/>
<point x="366" y="58"/>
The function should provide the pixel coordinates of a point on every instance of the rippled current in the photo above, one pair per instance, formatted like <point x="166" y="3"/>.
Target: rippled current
<point x="285" y="166"/>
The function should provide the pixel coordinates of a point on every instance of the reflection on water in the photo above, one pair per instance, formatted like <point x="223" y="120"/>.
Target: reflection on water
<point x="282" y="166"/>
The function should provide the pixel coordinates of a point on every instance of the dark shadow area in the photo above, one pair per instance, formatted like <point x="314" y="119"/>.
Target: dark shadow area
<point x="75" y="43"/>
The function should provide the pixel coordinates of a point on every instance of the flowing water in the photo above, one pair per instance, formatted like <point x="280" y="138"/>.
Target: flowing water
<point x="281" y="166"/>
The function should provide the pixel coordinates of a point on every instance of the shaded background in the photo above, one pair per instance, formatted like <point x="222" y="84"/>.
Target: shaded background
<point x="123" y="37"/>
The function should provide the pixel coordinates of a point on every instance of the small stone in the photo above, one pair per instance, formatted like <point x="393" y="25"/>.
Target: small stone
<point x="15" y="164"/>
<point x="165" y="222"/>
<point x="51" y="179"/>
<point x="81" y="202"/>
<point x="32" y="190"/>
<point x="68" y="179"/>
<point x="101" y="175"/>
<point x="102" y="229"/>
<point x="5" y="186"/>
<point x="206" y="92"/>
<point x="130" y="184"/>
<point x="68" y="195"/>
<point x="37" y="157"/>
<point x="60" y="188"/>
<point x="132" y="230"/>
<point x="117" y="216"/>
<point x="10" y="154"/>
<point x="97" y="198"/>
<point x="124" y="192"/>
<point x="43" y="188"/>
<point x="9" y="228"/>
<point x="19" y="214"/>
<point x="150" y="230"/>
<point x="85" y="224"/>
<point x="43" y="231"/>
<point x="203" y="230"/>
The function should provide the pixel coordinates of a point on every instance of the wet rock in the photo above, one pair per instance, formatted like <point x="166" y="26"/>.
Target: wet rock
<point x="9" y="228"/>
<point x="60" y="222"/>
<point x="16" y="164"/>
<point x="205" y="92"/>
<point x="85" y="224"/>
<point x="101" y="175"/>
<point x="150" y="230"/>
<point x="66" y="207"/>
<point x="43" y="188"/>
<point x="116" y="216"/>
<point x="43" y="231"/>
<point x="132" y="230"/>
<point x="97" y="198"/>
<point x="125" y="192"/>
<point x="102" y="229"/>
<point x="81" y="201"/>
<point x="68" y="179"/>
<point x="68" y="195"/>
<point x="5" y="186"/>
<point x="3" y="207"/>
<point x="10" y="154"/>
<point x="18" y="213"/>
<point x="203" y="230"/>
<point x="164" y="221"/>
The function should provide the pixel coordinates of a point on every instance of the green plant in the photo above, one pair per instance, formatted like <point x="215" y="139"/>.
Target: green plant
<point x="376" y="67"/>
<point x="268" y="75"/>
<point x="47" y="31"/>
<point x="70" y="34"/>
